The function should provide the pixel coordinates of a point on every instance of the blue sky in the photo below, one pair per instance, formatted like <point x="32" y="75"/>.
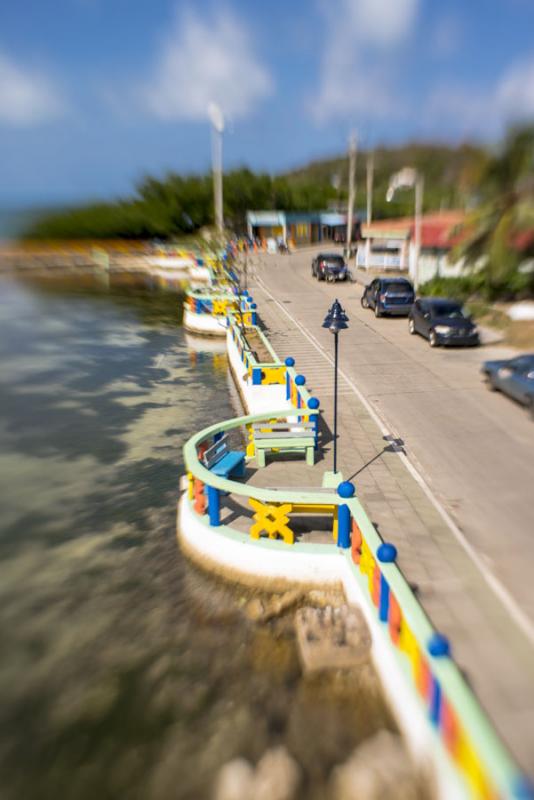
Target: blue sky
<point x="96" y="93"/>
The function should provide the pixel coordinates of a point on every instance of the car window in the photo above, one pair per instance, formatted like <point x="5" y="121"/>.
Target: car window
<point x="445" y="309"/>
<point x="522" y="364"/>
<point x="399" y="286"/>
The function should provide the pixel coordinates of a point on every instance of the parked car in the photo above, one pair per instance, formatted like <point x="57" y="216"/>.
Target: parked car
<point x="514" y="377"/>
<point x="443" y="322"/>
<point x="329" y="267"/>
<point x="389" y="296"/>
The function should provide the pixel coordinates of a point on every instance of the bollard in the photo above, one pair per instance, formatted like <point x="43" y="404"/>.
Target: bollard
<point x="313" y="404"/>
<point x="344" y="490"/>
<point x="214" y="506"/>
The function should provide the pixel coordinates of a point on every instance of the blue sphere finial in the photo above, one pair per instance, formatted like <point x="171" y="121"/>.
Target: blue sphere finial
<point x="289" y="362"/>
<point x="313" y="403"/>
<point x="386" y="553"/>
<point x="438" y="645"/>
<point x="346" y="489"/>
<point x="300" y="380"/>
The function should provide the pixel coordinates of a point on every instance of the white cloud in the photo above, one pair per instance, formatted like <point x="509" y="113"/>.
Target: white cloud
<point x="26" y="96"/>
<point x="484" y="111"/>
<point x="359" y="50"/>
<point x="202" y="61"/>
<point x="515" y="90"/>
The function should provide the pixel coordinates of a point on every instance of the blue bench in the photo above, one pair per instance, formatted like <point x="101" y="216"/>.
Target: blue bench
<point x="223" y="462"/>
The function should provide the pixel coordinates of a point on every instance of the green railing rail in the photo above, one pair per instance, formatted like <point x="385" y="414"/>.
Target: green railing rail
<point x="461" y="726"/>
<point x="274" y="371"/>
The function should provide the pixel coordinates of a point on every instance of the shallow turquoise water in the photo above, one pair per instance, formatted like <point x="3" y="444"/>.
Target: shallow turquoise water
<point x="126" y="672"/>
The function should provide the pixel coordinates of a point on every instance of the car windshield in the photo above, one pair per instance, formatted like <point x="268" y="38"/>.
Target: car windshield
<point x="451" y="310"/>
<point x="399" y="286"/>
<point x="523" y="363"/>
<point x="333" y="261"/>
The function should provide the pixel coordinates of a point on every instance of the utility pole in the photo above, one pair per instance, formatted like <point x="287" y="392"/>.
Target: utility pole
<point x="419" y="188"/>
<point x="370" y="179"/>
<point x="217" y="122"/>
<point x="352" y="189"/>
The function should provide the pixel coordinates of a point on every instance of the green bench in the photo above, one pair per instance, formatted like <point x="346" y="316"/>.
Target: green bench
<point x="285" y="437"/>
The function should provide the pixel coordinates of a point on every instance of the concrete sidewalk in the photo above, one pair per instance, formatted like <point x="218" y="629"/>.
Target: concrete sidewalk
<point x="494" y="653"/>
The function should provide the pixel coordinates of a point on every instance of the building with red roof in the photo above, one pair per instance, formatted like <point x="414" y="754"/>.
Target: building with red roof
<point x="390" y="245"/>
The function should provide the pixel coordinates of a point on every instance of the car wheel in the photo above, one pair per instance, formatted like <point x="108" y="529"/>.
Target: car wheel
<point x="433" y="339"/>
<point x="378" y="313"/>
<point x="411" y="326"/>
<point x="364" y="301"/>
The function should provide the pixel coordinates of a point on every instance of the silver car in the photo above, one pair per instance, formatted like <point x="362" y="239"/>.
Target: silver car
<point x="514" y="377"/>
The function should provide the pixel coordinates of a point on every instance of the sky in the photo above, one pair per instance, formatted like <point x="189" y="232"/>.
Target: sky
<point x="95" y="94"/>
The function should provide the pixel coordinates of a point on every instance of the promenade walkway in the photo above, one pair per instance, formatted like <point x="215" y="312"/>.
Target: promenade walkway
<point x="492" y="650"/>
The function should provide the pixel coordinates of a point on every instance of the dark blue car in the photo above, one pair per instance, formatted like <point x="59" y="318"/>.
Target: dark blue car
<point x="443" y="322"/>
<point x="389" y="296"/>
<point x="514" y="377"/>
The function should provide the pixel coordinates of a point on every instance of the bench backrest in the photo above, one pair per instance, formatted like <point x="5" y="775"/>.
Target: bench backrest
<point x="286" y="430"/>
<point x="216" y="452"/>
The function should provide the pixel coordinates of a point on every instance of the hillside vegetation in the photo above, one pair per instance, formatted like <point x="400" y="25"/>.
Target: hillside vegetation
<point x="175" y="204"/>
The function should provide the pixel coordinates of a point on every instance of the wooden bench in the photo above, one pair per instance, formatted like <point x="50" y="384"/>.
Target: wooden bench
<point x="224" y="462"/>
<point x="285" y="437"/>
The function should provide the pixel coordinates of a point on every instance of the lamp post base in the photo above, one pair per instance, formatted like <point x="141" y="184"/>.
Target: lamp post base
<point x="331" y="480"/>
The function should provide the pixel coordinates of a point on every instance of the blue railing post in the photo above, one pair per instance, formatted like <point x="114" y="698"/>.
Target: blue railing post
<point x="300" y="380"/>
<point x="254" y="315"/>
<point x="256" y="376"/>
<point x="313" y="404"/>
<point x="344" y="490"/>
<point x="386" y="553"/>
<point x="214" y="506"/>
<point x="289" y="362"/>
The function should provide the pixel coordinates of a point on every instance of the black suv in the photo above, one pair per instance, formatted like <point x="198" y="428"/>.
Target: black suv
<point x="329" y="267"/>
<point x="442" y="322"/>
<point x="389" y="296"/>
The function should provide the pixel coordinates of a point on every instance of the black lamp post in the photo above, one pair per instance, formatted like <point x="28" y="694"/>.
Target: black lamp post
<point x="336" y="320"/>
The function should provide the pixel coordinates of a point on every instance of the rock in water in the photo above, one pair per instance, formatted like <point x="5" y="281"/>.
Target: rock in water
<point x="235" y="781"/>
<point x="379" y="769"/>
<point x="332" y="638"/>
<point x="262" y="610"/>
<point x="277" y="776"/>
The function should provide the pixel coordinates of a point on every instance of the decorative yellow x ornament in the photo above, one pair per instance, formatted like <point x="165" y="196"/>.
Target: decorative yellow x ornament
<point x="272" y="519"/>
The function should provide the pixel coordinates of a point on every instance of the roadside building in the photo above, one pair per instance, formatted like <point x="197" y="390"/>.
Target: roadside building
<point x="300" y="227"/>
<point x="390" y="245"/>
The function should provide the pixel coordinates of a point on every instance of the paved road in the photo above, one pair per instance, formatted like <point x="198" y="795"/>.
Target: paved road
<point x="474" y="449"/>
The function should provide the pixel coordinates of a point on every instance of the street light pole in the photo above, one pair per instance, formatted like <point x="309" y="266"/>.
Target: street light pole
<point x="352" y="189"/>
<point x="335" y="320"/>
<point x="419" y="187"/>
<point x="217" y="122"/>
<point x="336" y="346"/>
<point x="411" y="178"/>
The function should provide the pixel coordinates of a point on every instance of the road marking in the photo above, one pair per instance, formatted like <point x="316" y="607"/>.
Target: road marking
<point x="516" y="612"/>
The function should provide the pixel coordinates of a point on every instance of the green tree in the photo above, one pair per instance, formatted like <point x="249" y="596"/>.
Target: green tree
<point x="505" y="210"/>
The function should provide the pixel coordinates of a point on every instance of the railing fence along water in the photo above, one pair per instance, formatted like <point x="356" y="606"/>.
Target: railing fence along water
<point x="461" y="727"/>
<point x="458" y="720"/>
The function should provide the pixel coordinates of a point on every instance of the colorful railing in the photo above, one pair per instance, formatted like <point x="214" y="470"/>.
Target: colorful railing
<point x="461" y="726"/>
